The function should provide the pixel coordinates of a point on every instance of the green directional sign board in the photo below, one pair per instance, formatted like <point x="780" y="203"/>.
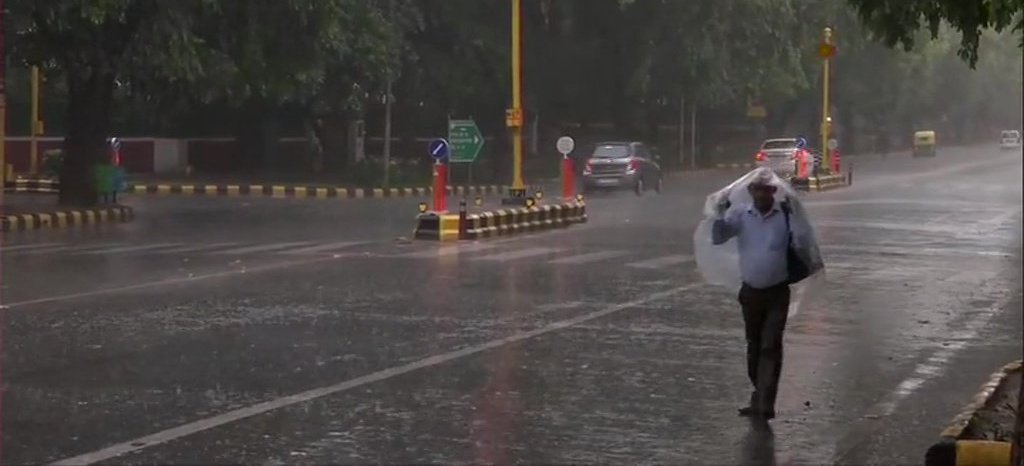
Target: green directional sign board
<point x="465" y="140"/>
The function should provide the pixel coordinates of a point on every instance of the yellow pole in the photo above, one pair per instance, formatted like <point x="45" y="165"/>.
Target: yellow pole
<point x="825" y="120"/>
<point x="519" y="189"/>
<point x="34" y="125"/>
<point x="3" y="106"/>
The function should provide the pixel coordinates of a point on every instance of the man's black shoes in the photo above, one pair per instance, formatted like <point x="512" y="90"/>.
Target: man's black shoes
<point x="750" y="412"/>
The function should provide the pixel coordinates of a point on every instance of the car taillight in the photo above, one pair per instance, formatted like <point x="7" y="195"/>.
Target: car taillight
<point x="633" y="166"/>
<point x="588" y="168"/>
<point x="760" y="157"/>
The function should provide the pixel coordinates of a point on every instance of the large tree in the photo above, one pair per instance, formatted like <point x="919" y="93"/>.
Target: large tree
<point x="897" y="21"/>
<point x="253" y="55"/>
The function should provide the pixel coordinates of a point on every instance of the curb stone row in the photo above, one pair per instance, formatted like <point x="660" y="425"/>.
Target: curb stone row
<point x="66" y="218"/>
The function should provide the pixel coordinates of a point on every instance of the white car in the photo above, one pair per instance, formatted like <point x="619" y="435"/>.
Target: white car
<point x="1009" y="139"/>
<point x="781" y="155"/>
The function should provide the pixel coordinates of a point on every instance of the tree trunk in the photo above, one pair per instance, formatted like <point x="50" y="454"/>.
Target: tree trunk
<point x="90" y="96"/>
<point x="257" y="138"/>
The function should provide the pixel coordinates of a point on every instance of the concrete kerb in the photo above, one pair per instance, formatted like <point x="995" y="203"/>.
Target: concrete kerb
<point x="822" y="183"/>
<point x="32" y="185"/>
<point x="50" y="186"/>
<point x="66" y="218"/>
<point x="501" y="222"/>
<point x="300" y="191"/>
<point x="955" y="449"/>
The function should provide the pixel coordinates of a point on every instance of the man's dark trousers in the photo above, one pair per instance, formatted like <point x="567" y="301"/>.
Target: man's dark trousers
<point x="764" y="316"/>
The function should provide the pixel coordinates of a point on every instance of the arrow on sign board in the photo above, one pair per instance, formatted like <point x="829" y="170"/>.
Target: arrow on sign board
<point x="465" y="139"/>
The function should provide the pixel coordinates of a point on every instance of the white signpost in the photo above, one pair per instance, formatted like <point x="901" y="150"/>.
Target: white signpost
<point x="565" y="145"/>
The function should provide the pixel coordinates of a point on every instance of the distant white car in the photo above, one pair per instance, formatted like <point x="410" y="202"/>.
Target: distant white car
<point x="781" y="156"/>
<point x="1009" y="139"/>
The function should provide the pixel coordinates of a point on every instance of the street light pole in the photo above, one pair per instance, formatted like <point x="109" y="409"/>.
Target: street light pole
<point x="826" y="120"/>
<point x="3" y="104"/>
<point x="387" y="109"/>
<point x="514" y="118"/>
<point x="34" y="125"/>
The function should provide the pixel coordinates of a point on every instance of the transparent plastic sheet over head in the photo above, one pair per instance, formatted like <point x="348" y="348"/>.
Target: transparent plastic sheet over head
<point x="720" y="264"/>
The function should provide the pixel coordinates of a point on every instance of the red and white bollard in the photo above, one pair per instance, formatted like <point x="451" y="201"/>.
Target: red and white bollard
<point x="568" y="179"/>
<point x="440" y="187"/>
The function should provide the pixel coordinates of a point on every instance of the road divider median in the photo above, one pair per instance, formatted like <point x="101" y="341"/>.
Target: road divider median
<point x="977" y="436"/>
<point x="66" y="218"/>
<point x="32" y="185"/>
<point x="299" y="191"/>
<point x="494" y="223"/>
<point x="822" y="183"/>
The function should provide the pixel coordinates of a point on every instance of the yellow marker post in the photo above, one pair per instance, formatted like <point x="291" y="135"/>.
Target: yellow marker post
<point x="514" y="118"/>
<point x="34" y="125"/>
<point x="827" y="50"/>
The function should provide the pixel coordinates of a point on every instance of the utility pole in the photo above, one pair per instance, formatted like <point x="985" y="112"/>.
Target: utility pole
<point x="3" y="104"/>
<point x="34" y="125"/>
<point x="387" y="107"/>
<point x="682" y="130"/>
<point x="514" y="116"/>
<point x="827" y="50"/>
<point x="693" y="136"/>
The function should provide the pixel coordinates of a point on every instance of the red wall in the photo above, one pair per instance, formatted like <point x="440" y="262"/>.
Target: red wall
<point x="136" y="154"/>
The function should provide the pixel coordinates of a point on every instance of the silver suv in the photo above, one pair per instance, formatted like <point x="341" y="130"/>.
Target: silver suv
<point x="616" y="165"/>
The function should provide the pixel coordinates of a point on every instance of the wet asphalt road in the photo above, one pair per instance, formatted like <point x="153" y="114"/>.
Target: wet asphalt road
<point x="278" y="331"/>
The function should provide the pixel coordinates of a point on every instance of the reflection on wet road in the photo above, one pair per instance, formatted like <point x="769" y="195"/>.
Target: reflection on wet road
<point x="280" y="331"/>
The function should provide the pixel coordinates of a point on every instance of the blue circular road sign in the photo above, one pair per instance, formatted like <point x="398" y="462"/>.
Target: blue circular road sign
<point x="439" y="149"/>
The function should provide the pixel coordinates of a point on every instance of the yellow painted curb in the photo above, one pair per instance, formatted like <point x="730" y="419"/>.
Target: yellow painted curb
<point x="66" y="219"/>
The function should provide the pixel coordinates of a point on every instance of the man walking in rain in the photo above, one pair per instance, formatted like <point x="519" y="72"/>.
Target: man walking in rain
<point x="765" y="245"/>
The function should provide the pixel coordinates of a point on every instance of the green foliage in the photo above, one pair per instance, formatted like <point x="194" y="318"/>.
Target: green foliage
<point x="897" y="21"/>
<point x="163" y="66"/>
<point x="53" y="160"/>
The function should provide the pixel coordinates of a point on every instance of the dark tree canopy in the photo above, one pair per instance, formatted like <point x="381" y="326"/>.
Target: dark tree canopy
<point x="897" y="21"/>
<point x="259" y="69"/>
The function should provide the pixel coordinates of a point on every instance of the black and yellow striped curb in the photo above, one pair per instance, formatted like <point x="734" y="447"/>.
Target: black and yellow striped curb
<point x="445" y="227"/>
<point x="66" y="218"/>
<point x="23" y="185"/>
<point x="301" y="192"/>
<point x="821" y="182"/>
<point x="954" y="449"/>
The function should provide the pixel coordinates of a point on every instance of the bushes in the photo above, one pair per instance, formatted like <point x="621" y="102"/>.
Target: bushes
<point x="52" y="162"/>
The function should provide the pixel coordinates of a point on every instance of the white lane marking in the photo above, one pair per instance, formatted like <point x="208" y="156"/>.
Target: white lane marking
<point x="264" y="247"/>
<point x="912" y="250"/>
<point x="661" y="262"/>
<point x="4" y="248"/>
<point x="923" y="202"/>
<point x="518" y="254"/>
<point x="135" y="248"/>
<point x="934" y="365"/>
<point x="909" y="226"/>
<point x="197" y="248"/>
<point x="321" y="248"/>
<point x="447" y="251"/>
<point x="228" y="417"/>
<point x="588" y="258"/>
<point x="69" y="249"/>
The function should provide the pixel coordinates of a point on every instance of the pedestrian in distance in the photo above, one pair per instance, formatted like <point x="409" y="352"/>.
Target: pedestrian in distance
<point x="768" y="263"/>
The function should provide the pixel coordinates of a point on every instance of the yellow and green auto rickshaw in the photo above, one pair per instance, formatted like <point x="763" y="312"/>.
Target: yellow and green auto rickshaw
<point x="924" y="143"/>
